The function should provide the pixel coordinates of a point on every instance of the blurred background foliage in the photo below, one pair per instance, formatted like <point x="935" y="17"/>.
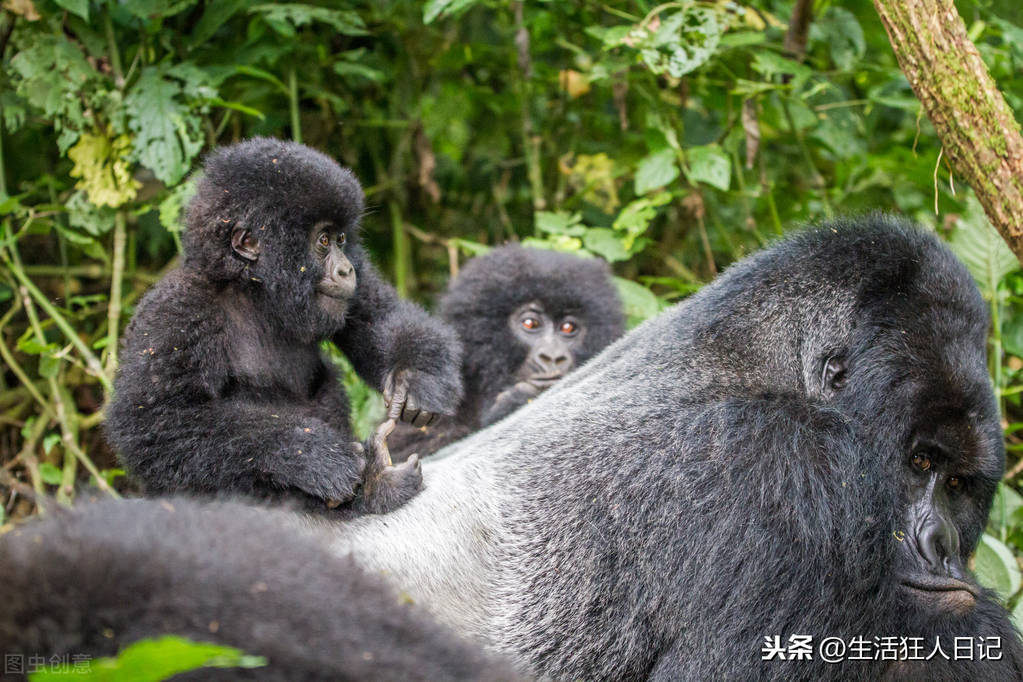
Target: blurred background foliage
<point x="670" y="139"/>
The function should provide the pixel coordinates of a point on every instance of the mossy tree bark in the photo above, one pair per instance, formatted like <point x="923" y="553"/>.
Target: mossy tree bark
<point x="977" y="128"/>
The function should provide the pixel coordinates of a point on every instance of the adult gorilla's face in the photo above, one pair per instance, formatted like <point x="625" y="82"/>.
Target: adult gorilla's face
<point x="929" y="412"/>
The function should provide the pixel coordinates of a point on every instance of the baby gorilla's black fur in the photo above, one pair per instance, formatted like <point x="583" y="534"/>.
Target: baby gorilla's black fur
<point x="222" y="386"/>
<point x="94" y="580"/>
<point x="479" y="305"/>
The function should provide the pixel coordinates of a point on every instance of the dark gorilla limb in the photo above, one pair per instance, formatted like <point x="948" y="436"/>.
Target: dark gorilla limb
<point x="222" y="387"/>
<point x="526" y="318"/>
<point x="96" y="579"/>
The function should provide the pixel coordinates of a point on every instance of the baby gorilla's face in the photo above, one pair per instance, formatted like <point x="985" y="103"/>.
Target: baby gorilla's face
<point x="336" y="288"/>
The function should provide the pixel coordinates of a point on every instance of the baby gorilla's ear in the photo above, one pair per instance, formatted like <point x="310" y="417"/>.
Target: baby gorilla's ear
<point x="245" y="244"/>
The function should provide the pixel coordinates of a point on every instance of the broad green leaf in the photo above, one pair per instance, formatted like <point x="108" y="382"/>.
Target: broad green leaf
<point x="995" y="567"/>
<point x="84" y="215"/>
<point x="709" y="164"/>
<point x="53" y="76"/>
<point x="79" y="7"/>
<point x="213" y="17"/>
<point x="981" y="248"/>
<point x="285" y="18"/>
<point x="840" y="30"/>
<point x="560" y="223"/>
<point x="448" y="8"/>
<point x="635" y="218"/>
<point x="173" y="205"/>
<point x="638" y="301"/>
<point x="49" y="366"/>
<point x="151" y="9"/>
<point x="1007" y="501"/>
<point x="152" y="660"/>
<point x="656" y="170"/>
<point x="103" y="166"/>
<point x="557" y="242"/>
<point x="605" y="243"/>
<point x="470" y="247"/>
<point x="683" y="41"/>
<point x="49" y="441"/>
<point x="168" y="134"/>
<point x="50" y="474"/>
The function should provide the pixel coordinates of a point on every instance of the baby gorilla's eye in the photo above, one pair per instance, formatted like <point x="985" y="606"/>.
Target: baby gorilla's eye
<point x="921" y="461"/>
<point x="568" y="328"/>
<point x="323" y="240"/>
<point x="530" y="323"/>
<point x="954" y="483"/>
<point x="341" y="239"/>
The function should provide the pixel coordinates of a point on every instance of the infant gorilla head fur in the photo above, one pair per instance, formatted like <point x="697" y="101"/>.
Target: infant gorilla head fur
<point x="261" y="208"/>
<point x="94" y="580"/>
<point x="525" y="317"/>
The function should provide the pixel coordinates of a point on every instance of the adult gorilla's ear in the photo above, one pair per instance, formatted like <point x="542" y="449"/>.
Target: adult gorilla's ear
<point x="834" y="375"/>
<point x="245" y="244"/>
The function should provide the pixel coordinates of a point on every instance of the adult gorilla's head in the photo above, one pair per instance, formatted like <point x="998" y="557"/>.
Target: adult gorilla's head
<point x="808" y="446"/>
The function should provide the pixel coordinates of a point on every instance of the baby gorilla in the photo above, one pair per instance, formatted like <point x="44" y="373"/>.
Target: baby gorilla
<point x="222" y="387"/>
<point x="525" y="317"/>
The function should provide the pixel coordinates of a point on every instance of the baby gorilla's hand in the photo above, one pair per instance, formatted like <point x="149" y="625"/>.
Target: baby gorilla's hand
<point x="386" y="487"/>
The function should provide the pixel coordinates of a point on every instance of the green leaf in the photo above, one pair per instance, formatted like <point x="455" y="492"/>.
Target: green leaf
<point x="49" y="441"/>
<point x="470" y="247"/>
<point x="840" y="30"/>
<point x="1007" y="501"/>
<point x="656" y="170"/>
<point x="682" y="42"/>
<point x="79" y="7"/>
<point x="103" y="168"/>
<point x="981" y="248"/>
<point x="49" y="366"/>
<point x="87" y="216"/>
<point x="639" y="302"/>
<point x="156" y="9"/>
<point x="606" y="243"/>
<point x="448" y="8"/>
<point x="152" y="660"/>
<point x="996" y="567"/>
<point x="710" y="165"/>
<point x="174" y="204"/>
<point x="285" y="18"/>
<point x="561" y="222"/>
<point x="216" y="15"/>
<point x="50" y="474"/>
<point x="168" y="134"/>
<point x="635" y="218"/>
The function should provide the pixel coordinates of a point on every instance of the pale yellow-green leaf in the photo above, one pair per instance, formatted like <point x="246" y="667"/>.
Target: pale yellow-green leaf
<point x="102" y="166"/>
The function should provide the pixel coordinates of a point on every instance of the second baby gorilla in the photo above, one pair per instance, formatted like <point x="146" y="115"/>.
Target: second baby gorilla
<point x="526" y="317"/>
<point x="222" y="386"/>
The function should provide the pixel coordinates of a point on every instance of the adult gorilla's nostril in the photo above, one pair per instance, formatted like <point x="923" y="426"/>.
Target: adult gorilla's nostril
<point x="939" y="545"/>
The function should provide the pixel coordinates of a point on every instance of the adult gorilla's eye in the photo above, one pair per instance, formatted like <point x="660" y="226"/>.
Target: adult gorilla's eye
<point x="341" y="239"/>
<point x="530" y="323"/>
<point x="323" y="240"/>
<point x="921" y="461"/>
<point x="568" y="328"/>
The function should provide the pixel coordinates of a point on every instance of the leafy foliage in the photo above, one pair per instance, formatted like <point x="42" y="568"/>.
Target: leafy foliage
<point x="669" y="139"/>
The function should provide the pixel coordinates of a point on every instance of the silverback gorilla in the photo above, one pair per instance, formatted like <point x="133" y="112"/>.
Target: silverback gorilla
<point x="525" y="317"/>
<point x="807" y="447"/>
<point x="109" y="574"/>
<point x="222" y="387"/>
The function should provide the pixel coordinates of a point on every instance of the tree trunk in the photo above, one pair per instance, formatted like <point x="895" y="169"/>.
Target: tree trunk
<point x="977" y="128"/>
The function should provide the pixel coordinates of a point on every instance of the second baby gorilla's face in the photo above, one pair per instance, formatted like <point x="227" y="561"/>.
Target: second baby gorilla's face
<point x="337" y="285"/>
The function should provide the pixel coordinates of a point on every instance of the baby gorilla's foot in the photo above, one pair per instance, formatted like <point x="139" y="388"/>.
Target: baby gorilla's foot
<point x="386" y="487"/>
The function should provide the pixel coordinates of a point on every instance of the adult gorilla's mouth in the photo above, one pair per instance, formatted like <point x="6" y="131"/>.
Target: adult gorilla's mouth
<point x="943" y="591"/>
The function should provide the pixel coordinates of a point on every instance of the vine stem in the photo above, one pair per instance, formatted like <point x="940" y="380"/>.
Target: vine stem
<point x="90" y="358"/>
<point x="296" y="124"/>
<point x="116" y="279"/>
